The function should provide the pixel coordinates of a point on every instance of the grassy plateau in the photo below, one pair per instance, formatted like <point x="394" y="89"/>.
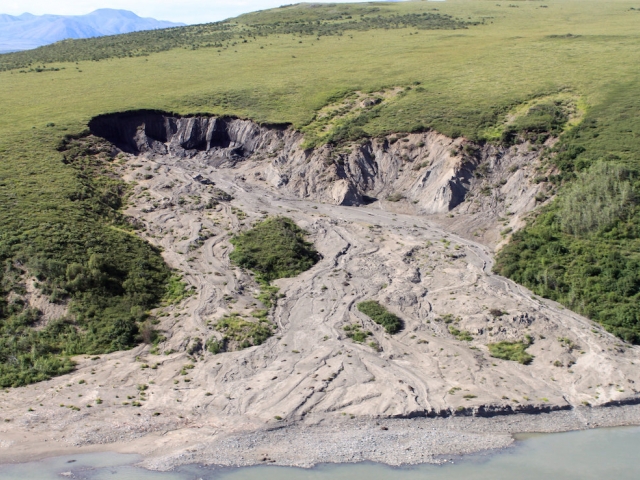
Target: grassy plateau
<point x="463" y="67"/>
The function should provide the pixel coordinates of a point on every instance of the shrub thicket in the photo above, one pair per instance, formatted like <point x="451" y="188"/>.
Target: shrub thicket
<point x="584" y="249"/>
<point x="86" y="258"/>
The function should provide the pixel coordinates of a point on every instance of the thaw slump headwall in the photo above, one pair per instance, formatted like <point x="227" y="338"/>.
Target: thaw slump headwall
<point x="431" y="171"/>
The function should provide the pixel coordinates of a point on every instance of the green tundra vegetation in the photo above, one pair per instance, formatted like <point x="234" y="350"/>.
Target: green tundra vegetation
<point x="380" y="315"/>
<point x="584" y="249"/>
<point x="514" y="351"/>
<point x="76" y="249"/>
<point x="272" y="249"/>
<point x="489" y="71"/>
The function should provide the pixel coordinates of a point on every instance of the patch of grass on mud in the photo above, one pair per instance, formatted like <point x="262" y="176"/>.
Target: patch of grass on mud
<point x="275" y="248"/>
<point x="514" y="351"/>
<point x="461" y="335"/>
<point x="239" y="333"/>
<point x="381" y="315"/>
<point x="355" y="333"/>
<point x="176" y="291"/>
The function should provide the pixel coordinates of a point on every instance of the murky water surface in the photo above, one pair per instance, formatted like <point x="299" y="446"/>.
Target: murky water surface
<point x="594" y="454"/>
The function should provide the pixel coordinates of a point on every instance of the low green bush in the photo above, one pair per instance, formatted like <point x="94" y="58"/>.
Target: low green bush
<point x="275" y="248"/>
<point x="514" y="351"/>
<point x="462" y="335"/>
<point x="381" y="316"/>
<point x="355" y="333"/>
<point x="239" y="333"/>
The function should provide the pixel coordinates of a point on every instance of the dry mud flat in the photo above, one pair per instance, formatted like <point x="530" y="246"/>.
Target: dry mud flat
<point x="310" y="394"/>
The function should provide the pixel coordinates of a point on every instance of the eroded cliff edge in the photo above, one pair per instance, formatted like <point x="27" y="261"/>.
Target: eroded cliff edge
<point x="489" y="188"/>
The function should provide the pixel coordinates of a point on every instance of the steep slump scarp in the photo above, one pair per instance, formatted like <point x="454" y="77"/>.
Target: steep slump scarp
<point x="433" y="172"/>
<point x="140" y="132"/>
<point x="489" y="188"/>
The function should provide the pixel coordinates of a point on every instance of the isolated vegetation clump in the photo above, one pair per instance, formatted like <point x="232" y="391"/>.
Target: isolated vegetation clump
<point x="239" y="333"/>
<point x="462" y="335"/>
<point x="275" y="248"/>
<point x="272" y="249"/>
<point x="514" y="351"/>
<point x="355" y="333"/>
<point x="381" y="315"/>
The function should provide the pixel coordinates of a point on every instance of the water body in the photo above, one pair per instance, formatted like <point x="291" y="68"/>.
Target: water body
<point x="593" y="454"/>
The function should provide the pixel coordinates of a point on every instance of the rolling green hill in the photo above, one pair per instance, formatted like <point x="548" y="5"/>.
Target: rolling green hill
<point x="465" y="65"/>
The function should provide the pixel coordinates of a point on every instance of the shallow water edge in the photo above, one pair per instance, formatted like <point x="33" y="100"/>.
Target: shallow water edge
<point x="588" y="454"/>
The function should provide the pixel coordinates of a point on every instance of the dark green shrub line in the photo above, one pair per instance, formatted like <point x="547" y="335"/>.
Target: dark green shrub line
<point x="584" y="249"/>
<point x="380" y="315"/>
<point x="108" y="278"/>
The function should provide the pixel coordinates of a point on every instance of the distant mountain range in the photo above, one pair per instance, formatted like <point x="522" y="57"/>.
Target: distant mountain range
<point x="27" y="31"/>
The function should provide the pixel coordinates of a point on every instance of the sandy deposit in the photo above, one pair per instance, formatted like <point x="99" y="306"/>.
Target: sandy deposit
<point x="309" y="394"/>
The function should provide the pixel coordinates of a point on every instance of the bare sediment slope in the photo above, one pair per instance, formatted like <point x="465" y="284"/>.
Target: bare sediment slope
<point x="369" y="210"/>
<point x="421" y="174"/>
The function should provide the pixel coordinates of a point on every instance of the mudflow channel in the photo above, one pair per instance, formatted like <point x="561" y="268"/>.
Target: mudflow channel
<point x="310" y="394"/>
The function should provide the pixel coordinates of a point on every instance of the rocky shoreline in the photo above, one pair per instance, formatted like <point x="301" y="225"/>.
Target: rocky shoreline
<point x="394" y="442"/>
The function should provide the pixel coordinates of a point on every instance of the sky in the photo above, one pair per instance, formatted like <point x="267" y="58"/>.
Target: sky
<point x="186" y="11"/>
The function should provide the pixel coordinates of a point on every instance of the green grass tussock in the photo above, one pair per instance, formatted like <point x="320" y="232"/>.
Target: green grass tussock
<point x="513" y="351"/>
<point x="380" y="315"/>
<point x="239" y="333"/>
<point x="462" y="335"/>
<point x="274" y="248"/>
<point x="355" y="333"/>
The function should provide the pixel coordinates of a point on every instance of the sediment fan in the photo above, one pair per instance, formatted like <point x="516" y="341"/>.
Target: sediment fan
<point x="283" y="226"/>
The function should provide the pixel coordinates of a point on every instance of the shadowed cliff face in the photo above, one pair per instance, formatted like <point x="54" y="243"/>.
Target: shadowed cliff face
<point x="421" y="173"/>
<point x="164" y="134"/>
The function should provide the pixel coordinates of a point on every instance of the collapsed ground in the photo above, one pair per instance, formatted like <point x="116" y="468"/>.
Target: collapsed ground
<point x="553" y="149"/>
<point x="238" y="355"/>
